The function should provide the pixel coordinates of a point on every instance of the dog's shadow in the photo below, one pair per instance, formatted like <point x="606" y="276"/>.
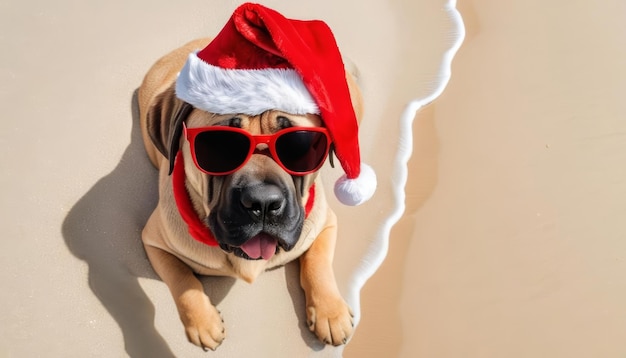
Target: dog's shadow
<point x="104" y="229"/>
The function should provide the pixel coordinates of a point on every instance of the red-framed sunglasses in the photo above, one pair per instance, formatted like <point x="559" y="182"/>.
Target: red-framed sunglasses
<point x="221" y="150"/>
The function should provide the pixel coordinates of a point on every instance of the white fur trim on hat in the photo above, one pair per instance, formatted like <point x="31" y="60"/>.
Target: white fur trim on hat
<point x="359" y="190"/>
<point x="222" y="91"/>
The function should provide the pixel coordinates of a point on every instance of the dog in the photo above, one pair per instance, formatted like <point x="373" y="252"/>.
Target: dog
<point x="238" y="131"/>
<point x="176" y="257"/>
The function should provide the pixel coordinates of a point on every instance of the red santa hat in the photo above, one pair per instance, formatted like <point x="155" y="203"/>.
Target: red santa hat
<point x="262" y="61"/>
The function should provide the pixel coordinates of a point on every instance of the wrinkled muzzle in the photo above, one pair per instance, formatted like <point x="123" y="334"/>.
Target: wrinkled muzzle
<point x="255" y="217"/>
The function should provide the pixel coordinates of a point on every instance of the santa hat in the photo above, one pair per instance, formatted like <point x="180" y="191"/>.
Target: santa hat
<point x="262" y="61"/>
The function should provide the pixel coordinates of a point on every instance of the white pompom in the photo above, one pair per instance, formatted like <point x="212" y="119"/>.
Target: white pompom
<point x="356" y="191"/>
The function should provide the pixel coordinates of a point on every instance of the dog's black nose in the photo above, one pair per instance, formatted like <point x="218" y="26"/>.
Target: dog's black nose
<point x="265" y="201"/>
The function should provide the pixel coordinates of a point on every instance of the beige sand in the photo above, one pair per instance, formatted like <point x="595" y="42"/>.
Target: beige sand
<point x="511" y="245"/>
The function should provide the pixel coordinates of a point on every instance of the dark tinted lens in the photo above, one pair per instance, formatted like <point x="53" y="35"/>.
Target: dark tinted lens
<point x="221" y="151"/>
<point x="302" y="151"/>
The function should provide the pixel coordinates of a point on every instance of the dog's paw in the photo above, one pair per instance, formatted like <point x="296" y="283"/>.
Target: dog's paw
<point x="331" y="320"/>
<point x="204" y="326"/>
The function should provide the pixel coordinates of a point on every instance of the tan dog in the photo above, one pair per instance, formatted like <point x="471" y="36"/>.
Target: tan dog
<point x="176" y="256"/>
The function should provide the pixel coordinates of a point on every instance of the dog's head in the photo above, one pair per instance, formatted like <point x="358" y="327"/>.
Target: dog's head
<point x="257" y="209"/>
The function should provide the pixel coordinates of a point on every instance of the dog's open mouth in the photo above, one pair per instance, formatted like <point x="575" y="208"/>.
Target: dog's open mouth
<point x="259" y="247"/>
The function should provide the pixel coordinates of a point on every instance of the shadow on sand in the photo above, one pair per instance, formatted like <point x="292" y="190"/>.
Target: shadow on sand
<point x="104" y="229"/>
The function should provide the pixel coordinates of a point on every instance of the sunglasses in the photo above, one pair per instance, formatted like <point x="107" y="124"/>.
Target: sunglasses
<point x="220" y="150"/>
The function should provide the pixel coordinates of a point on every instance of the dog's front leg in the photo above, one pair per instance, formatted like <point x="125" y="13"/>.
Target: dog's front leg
<point x="203" y="324"/>
<point x="328" y="315"/>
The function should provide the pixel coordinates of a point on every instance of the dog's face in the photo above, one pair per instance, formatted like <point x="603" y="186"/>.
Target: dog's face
<point x="259" y="209"/>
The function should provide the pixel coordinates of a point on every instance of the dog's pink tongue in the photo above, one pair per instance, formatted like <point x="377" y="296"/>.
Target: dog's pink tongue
<point x="261" y="245"/>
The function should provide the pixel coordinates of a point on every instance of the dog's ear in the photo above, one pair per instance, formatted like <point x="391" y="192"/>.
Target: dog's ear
<point x="164" y="122"/>
<point x="355" y="94"/>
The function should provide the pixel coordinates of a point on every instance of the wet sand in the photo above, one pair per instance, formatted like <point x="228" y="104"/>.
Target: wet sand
<point x="512" y="244"/>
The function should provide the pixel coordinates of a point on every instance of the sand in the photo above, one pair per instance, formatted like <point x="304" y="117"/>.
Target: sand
<point x="508" y="240"/>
